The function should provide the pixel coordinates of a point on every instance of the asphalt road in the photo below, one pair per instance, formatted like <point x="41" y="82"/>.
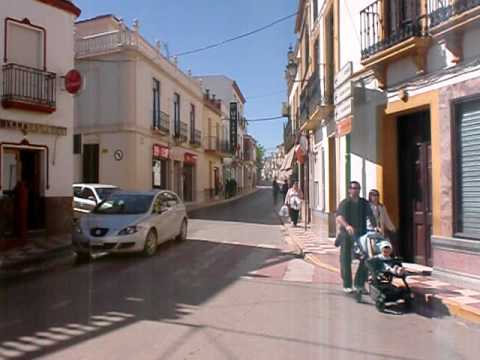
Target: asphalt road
<point x="232" y="291"/>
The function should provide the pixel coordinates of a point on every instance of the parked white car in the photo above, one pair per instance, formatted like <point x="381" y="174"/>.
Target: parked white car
<point x="87" y="196"/>
<point x="131" y="222"/>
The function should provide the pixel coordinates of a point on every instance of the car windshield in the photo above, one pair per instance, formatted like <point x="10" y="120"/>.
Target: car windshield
<point x="127" y="204"/>
<point x="104" y="193"/>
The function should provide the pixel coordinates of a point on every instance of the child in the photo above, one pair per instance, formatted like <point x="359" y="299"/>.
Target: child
<point x="385" y="254"/>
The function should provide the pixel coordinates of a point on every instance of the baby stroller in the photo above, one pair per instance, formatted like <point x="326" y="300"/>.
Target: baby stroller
<point x="380" y="277"/>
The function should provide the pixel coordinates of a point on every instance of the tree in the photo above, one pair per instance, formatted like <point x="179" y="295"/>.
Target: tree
<point x="260" y="159"/>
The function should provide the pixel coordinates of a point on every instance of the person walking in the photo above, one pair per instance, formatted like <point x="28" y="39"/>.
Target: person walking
<point x="284" y="189"/>
<point x="294" y="202"/>
<point x="384" y="223"/>
<point x="352" y="215"/>
<point x="276" y="190"/>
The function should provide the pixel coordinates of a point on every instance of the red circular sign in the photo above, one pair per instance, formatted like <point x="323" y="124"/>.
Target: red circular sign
<point x="73" y="81"/>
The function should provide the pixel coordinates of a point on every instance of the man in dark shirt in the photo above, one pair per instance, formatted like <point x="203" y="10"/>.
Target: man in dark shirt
<point x="276" y="190"/>
<point x="352" y="215"/>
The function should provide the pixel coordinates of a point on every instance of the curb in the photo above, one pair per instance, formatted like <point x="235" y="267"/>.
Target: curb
<point x="219" y="202"/>
<point x="442" y="306"/>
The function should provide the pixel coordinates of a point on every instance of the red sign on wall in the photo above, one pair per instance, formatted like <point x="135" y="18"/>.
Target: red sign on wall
<point x="190" y="159"/>
<point x="160" y="151"/>
<point x="73" y="81"/>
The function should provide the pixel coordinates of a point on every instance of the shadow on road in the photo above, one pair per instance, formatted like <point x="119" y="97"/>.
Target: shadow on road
<point x="50" y="312"/>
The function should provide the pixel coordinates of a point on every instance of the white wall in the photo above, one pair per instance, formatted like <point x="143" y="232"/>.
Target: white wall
<point x="59" y="59"/>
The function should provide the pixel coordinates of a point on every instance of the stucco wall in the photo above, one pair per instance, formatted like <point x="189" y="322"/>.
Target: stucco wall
<point x="59" y="59"/>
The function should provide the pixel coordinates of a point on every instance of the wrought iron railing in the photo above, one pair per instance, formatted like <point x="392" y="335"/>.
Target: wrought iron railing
<point x="181" y="131"/>
<point x="387" y="23"/>
<point x="196" y="138"/>
<point x="225" y="147"/>
<point x="314" y="94"/>
<point x="440" y="11"/>
<point x="161" y="121"/>
<point x="212" y="143"/>
<point x="30" y="86"/>
<point x="288" y="135"/>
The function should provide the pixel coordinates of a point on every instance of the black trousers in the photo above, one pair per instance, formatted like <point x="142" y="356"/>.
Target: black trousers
<point x="294" y="216"/>
<point x="346" y="266"/>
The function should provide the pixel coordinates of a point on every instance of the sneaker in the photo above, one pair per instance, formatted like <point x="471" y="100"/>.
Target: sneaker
<point x="347" y="290"/>
<point x="362" y="290"/>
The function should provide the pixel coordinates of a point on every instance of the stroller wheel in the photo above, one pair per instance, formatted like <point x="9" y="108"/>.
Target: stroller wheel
<point x="380" y="305"/>
<point x="358" y="295"/>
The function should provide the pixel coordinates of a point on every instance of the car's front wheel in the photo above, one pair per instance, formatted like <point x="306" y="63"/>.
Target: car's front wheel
<point x="182" y="236"/>
<point x="151" y="243"/>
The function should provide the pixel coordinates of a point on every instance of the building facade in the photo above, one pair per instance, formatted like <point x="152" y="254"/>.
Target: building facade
<point x="36" y="120"/>
<point x="235" y="124"/>
<point x="139" y="122"/>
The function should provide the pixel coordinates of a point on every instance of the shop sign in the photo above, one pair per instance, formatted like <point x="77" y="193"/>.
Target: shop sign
<point x="343" y="109"/>
<point x="27" y="127"/>
<point x="233" y="126"/>
<point x="73" y="81"/>
<point x="344" y="127"/>
<point x="160" y="151"/>
<point x="344" y="74"/>
<point x="343" y="92"/>
<point x="190" y="159"/>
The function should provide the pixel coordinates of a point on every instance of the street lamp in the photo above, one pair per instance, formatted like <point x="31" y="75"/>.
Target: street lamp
<point x="292" y="64"/>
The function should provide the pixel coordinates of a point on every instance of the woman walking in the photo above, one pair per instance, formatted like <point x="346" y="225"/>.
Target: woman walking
<point x="384" y="224"/>
<point x="294" y="202"/>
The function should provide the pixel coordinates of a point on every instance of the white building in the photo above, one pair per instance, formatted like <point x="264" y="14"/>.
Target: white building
<point x="229" y="92"/>
<point x="138" y="123"/>
<point x="36" y="119"/>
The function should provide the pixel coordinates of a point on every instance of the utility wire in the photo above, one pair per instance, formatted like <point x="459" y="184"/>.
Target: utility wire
<point x="266" y="119"/>
<point x="238" y="37"/>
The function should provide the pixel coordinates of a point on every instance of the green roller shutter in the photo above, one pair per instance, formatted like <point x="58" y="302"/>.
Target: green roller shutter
<point x="468" y="166"/>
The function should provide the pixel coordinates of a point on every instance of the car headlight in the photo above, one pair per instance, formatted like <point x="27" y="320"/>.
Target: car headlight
<point x="129" y="230"/>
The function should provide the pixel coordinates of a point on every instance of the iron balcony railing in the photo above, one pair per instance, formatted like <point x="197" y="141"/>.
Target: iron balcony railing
<point x="386" y="23"/>
<point x="314" y="95"/>
<point x="288" y="135"/>
<point x="212" y="143"/>
<point x="225" y="147"/>
<point x="196" y="138"/>
<point x="181" y="131"/>
<point x="161" y="121"/>
<point x="28" y="86"/>
<point x="440" y="11"/>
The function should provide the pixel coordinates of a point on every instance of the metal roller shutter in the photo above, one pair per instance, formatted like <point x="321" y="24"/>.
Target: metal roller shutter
<point x="468" y="174"/>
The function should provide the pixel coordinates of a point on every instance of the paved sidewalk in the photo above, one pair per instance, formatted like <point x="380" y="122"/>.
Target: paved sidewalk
<point x="432" y="295"/>
<point x="39" y="255"/>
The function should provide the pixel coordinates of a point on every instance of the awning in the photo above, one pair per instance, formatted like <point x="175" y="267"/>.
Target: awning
<point x="288" y="161"/>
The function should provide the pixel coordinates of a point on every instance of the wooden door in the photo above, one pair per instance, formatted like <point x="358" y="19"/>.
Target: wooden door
<point x="90" y="163"/>
<point x="415" y="184"/>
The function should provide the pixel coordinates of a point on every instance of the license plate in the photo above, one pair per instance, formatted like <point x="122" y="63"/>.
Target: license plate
<point x="96" y="242"/>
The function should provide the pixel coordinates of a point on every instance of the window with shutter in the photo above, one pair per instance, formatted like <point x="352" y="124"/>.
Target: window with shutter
<point x="468" y="170"/>
<point x="25" y="44"/>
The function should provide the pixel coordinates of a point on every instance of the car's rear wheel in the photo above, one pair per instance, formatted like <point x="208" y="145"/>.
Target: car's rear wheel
<point x="182" y="236"/>
<point x="151" y="243"/>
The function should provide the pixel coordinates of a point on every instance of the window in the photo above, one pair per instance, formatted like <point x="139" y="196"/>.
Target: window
<point x="87" y="193"/>
<point x="77" y="143"/>
<point x="77" y="191"/>
<point x="156" y="103"/>
<point x="467" y="126"/>
<point x="176" y="113"/>
<point x="25" y="44"/>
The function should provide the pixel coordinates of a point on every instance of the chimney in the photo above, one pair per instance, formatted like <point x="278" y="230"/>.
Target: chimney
<point x="136" y="25"/>
<point x="207" y="93"/>
<point x="213" y="97"/>
<point x="158" y="46"/>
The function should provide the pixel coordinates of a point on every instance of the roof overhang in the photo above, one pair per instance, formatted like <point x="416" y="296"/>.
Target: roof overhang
<point x="63" y="5"/>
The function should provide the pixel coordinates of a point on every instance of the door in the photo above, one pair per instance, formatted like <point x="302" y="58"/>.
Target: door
<point x="90" y="163"/>
<point x="187" y="183"/>
<point x="160" y="218"/>
<point x="415" y="184"/>
<point x="31" y="176"/>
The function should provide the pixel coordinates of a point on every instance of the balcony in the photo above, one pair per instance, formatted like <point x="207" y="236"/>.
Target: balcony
<point x="196" y="138"/>
<point x="181" y="131"/>
<point x="225" y="148"/>
<point x="161" y="122"/>
<point x="390" y="30"/>
<point x="315" y="101"/>
<point x="27" y="88"/>
<point x="447" y="16"/>
<point x="288" y="136"/>
<point x="212" y="144"/>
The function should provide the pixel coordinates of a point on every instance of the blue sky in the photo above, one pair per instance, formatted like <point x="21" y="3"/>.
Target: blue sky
<point x="257" y="63"/>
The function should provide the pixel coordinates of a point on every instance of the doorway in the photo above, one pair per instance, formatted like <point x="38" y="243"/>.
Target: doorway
<point x="91" y="163"/>
<point x="187" y="183"/>
<point x="415" y="184"/>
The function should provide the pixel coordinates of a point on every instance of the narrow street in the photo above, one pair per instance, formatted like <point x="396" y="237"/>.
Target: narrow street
<point x="233" y="290"/>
